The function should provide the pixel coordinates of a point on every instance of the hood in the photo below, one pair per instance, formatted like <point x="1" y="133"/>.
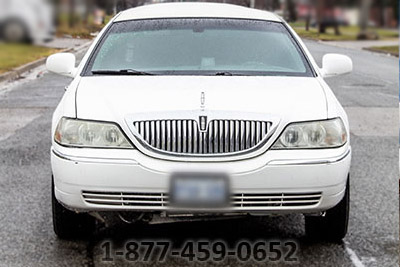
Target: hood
<point x="113" y="98"/>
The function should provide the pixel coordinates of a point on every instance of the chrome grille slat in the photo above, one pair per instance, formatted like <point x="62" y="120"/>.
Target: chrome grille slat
<point x="189" y="137"/>
<point x="276" y="200"/>
<point x="258" y="131"/>
<point x="253" y="134"/>
<point x="169" y="140"/>
<point x="210" y="138"/>
<point x="118" y="196"/>
<point x="201" y="142"/>
<point x="153" y="133"/>
<point x="227" y="141"/>
<point x="205" y="141"/>
<point x="263" y="129"/>
<point x="195" y="138"/>
<point x="216" y="137"/>
<point x="232" y="136"/>
<point x="248" y="134"/>
<point x="179" y="136"/>
<point x="158" y="134"/>
<point x="242" y="135"/>
<point x="238" y="201"/>
<point x="276" y="197"/>
<point x="237" y="134"/>
<point x="147" y="131"/>
<point x="221" y="137"/>
<point x="279" y="201"/>
<point x="142" y="128"/>
<point x="173" y="137"/>
<point x="184" y="136"/>
<point x="123" y="199"/>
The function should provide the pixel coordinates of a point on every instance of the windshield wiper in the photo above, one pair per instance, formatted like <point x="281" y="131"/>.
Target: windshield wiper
<point x="223" y="73"/>
<point x="227" y="73"/>
<point x="121" y="72"/>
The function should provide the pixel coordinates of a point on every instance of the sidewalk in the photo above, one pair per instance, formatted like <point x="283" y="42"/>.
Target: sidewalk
<point x="65" y="43"/>
<point x="361" y="44"/>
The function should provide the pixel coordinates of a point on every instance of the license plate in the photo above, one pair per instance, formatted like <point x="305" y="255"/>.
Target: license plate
<point x="199" y="190"/>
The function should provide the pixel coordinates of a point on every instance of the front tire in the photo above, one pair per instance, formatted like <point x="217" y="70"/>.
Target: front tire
<point x="68" y="224"/>
<point x="14" y="31"/>
<point x="333" y="226"/>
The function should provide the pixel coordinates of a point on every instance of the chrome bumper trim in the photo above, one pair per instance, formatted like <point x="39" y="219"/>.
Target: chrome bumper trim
<point x="310" y="161"/>
<point x="93" y="160"/>
<point x="271" y="163"/>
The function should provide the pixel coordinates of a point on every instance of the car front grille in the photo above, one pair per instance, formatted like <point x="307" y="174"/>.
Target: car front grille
<point x="185" y="137"/>
<point x="276" y="200"/>
<point x="238" y="201"/>
<point x="125" y="199"/>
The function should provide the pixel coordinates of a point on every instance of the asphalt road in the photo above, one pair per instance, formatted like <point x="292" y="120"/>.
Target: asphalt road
<point x="370" y="96"/>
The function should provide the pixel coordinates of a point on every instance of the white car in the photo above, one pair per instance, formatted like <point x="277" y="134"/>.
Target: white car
<point x="26" y="21"/>
<point x="199" y="109"/>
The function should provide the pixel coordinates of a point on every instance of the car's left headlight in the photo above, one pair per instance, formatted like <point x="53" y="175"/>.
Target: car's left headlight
<point x="316" y="134"/>
<point x="82" y="133"/>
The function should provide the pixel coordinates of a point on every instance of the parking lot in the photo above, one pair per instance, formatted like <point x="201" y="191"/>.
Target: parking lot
<point x="370" y="97"/>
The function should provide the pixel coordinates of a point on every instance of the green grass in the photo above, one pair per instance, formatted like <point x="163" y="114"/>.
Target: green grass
<point x="298" y="24"/>
<point x="394" y="50"/>
<point x="348" y="33"/>
<point x="15" y="55"/>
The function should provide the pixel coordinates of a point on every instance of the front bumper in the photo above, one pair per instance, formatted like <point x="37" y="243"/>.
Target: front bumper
<point x="272" y="183"/>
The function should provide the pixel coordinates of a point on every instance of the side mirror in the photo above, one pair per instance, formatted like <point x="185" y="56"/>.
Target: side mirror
<point x="336" y="64"/>
<point x="62" y="63"/>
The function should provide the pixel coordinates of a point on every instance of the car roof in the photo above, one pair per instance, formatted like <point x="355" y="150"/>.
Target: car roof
<point x="195" y="10"/>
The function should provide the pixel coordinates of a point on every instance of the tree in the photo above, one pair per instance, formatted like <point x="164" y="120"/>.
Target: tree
<point x="364" y="18"/>
<point x="272" y="5"/>
<point x="395" y="4"/>
<point x="57" y="15"/>
<point x="320" y="9"/>
<point x="88" y="11"/>
<point x="382" y="7"/>
<point x="71" y="17"/>
<point x="310" y="3"/>
<point x="291" y="10"/>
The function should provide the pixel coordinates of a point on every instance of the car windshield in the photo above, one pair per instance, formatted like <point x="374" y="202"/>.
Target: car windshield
<point x="198" y="47"/>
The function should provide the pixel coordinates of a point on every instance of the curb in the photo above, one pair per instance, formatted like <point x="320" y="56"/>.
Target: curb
<point x="366" y="48"/>
<point x="18" y="71"/>
<point x="380" y="52"/>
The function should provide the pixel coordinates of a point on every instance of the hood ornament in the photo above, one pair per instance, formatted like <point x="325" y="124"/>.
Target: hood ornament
<point x="202" y="100"/>
<point x="203" y="119"/>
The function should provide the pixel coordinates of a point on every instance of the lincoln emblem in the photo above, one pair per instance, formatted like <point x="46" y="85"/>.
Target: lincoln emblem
<point x="203" y="123"/>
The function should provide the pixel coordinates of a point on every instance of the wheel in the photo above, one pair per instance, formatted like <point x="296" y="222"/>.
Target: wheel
<point x="68" y="224"/>
<point x="333" y="226"/>
<point x="14" y="31"/>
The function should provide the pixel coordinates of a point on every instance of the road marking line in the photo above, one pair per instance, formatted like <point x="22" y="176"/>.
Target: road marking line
<point x="353" y="257"/>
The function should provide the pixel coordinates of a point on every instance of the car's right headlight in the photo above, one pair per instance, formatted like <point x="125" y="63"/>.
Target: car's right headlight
<point x="315" y="134"/>
<point x="83" y="133"/>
